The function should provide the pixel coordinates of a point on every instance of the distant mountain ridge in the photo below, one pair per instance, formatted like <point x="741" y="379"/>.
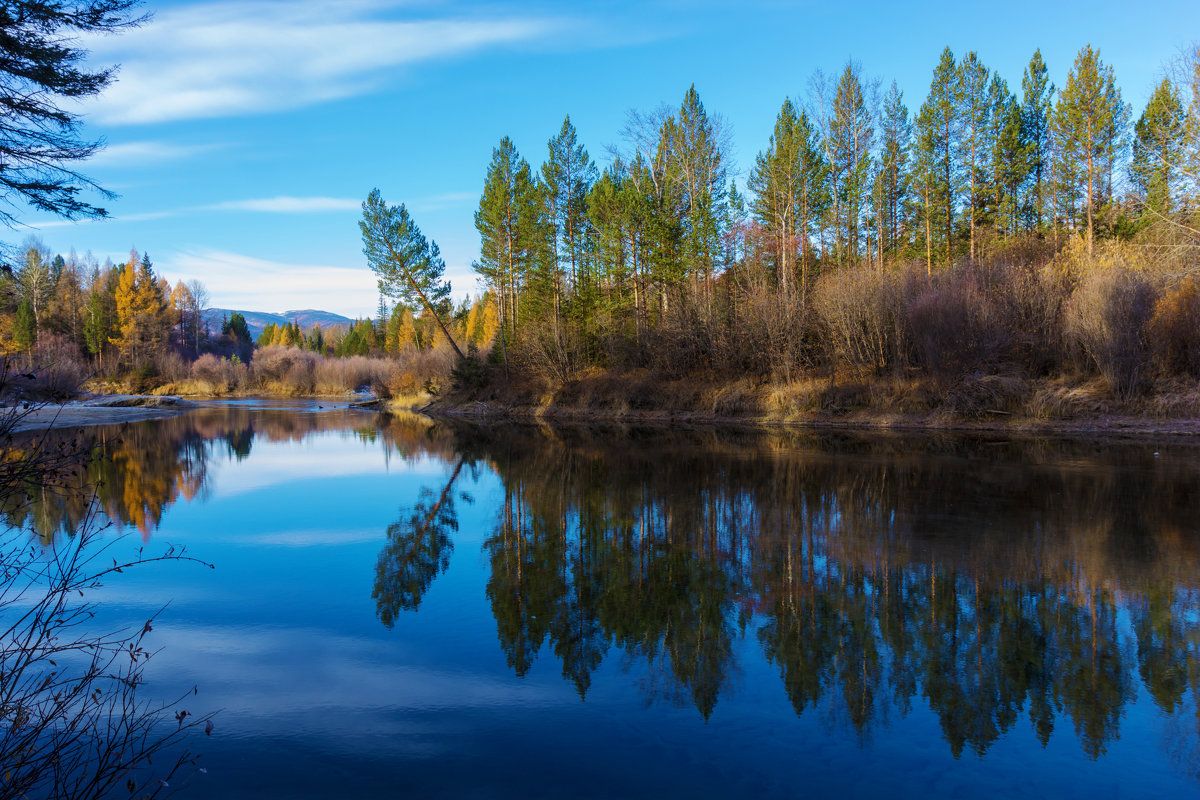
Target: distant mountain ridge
<point x="257" y="320"/>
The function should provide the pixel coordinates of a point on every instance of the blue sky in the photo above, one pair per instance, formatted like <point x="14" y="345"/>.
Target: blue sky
<point x="243" y="136"/>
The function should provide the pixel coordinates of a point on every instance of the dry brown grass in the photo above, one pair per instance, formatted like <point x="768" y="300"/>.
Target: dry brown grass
<point x="985" y="397"/>
<point x="795" y="399"/>
<point x="1062" y="399"/>
<point x="1175" y="398"/>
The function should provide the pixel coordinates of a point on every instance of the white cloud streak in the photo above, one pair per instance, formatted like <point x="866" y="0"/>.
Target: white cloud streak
<point x="261" y="205"/>
<point x="287" y="205"/>
<point x="140" y="153"/>
<point x="217" y="59"/>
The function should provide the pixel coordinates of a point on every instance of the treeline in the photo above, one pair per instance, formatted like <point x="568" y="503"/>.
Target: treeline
<point x="69" y="318"/>
<point x="394" y="332"/>
<point x="869" y="236"/>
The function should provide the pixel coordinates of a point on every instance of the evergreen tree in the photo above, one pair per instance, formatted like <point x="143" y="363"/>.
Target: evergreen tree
<point x="25" y="332"/>
<point x="925" y="179"/>
<point x="506" y="221"/>
<point x="848" y="149"/>
<point x="99" y="328"/>
<point x="235" y="328"/>
<point x="938" y="128"/>
<point x="1084" y="119"/>
<point x="1158" y="149"/>
<point x="896" y="134"/>
<point x="568" y="175"/>
<point x="788" y="185"/>
<point x="408" y="266"/>
<point x="974" y="112"/>
<point x="1036" y="105"/>
<point x="1191" y="136"/>
<point x="1010" y="158"/>
<point x="698" y="165"/>
<point x="44" y="75"/>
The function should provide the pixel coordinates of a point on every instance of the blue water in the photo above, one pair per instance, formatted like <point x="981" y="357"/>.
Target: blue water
<point x="665" y="689"/>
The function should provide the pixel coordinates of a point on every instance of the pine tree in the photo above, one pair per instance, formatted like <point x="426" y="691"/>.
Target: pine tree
<point x="1158" y="150"/>
<point x="974" y="112"/>
<point x="1084" y="120"/>
<point x="1010" y="158"/>
<point x="938" y="128"/>
<point x="1190" y="162"/>
<point x="698" y="164"/>
<point x="25" y="332"/>
<point x="235" y="328"/>
<point x="99" y="328"/>
<point x="788" y="185"/>
<point x="408" y="266"/>
<point x="896" y="133"/>
<point x="848" y="150"/>
<point x="1036" y="106"/>
<point x="506" y="221"/>
<point x="568" y="175"/>
<point x="44" y="75"/>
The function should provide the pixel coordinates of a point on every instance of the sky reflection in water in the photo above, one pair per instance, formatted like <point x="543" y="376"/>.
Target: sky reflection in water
<point x="404" y="609"/>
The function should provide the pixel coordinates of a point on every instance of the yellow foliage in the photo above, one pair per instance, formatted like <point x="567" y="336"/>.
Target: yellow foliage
<point x="483" y="321"/>
<point x="143" y="315"/>
<point x="401" y="331"/>
<point x="1174" y="330"/>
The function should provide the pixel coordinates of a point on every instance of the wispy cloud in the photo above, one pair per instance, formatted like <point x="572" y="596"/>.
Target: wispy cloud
<point x="213" y="59"/>
<point x="262" y="205"/>
<point x="146" y="153"/>
<point x="287" y="205"/>
<point x="235" y="280"/>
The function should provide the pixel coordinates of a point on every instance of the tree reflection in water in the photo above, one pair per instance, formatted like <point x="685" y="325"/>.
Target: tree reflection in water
<point x="986" y="580"/>
<point x="418" y="549"/>
<point x="995" y="583"/>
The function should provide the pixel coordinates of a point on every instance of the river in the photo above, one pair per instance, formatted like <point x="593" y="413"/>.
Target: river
<point x="403" y="607"/>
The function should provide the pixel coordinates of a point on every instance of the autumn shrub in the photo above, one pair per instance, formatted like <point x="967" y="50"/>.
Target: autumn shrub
<point x="218" y="375"/>
<point x="546" y="349"/>
<point x="57" y="368"/>
<point x="864" y="315"/>
<point x="770" y="334"/>
<point x="1029" y="303"/>
<point x="170" y="367"/>
<point x="284" y="369"/>
<point x="954" y="326"/>
<point x="342" y="375"/>
<point x="1174" y="330"/>
<point x="1028" y="253"/>
<point x="1107" y="320"/>
<point x="688" y="334"/>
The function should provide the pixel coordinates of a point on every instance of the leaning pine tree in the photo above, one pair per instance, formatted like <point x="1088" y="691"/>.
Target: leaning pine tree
<point x="409" y="266"/>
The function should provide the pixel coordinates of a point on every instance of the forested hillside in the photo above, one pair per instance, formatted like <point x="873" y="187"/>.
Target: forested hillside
<point x="1038" y="229"/>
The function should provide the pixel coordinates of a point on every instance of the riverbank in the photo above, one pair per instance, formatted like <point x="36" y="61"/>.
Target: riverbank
<point x="117" y="409"/>
<point x="980" y="404"/>
<point x="105" y="410"/>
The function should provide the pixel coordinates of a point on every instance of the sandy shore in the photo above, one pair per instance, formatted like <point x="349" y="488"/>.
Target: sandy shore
<point x="107" y="410"/>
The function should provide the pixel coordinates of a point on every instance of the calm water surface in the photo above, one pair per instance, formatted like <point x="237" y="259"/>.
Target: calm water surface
<point x="401" y="609"/>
